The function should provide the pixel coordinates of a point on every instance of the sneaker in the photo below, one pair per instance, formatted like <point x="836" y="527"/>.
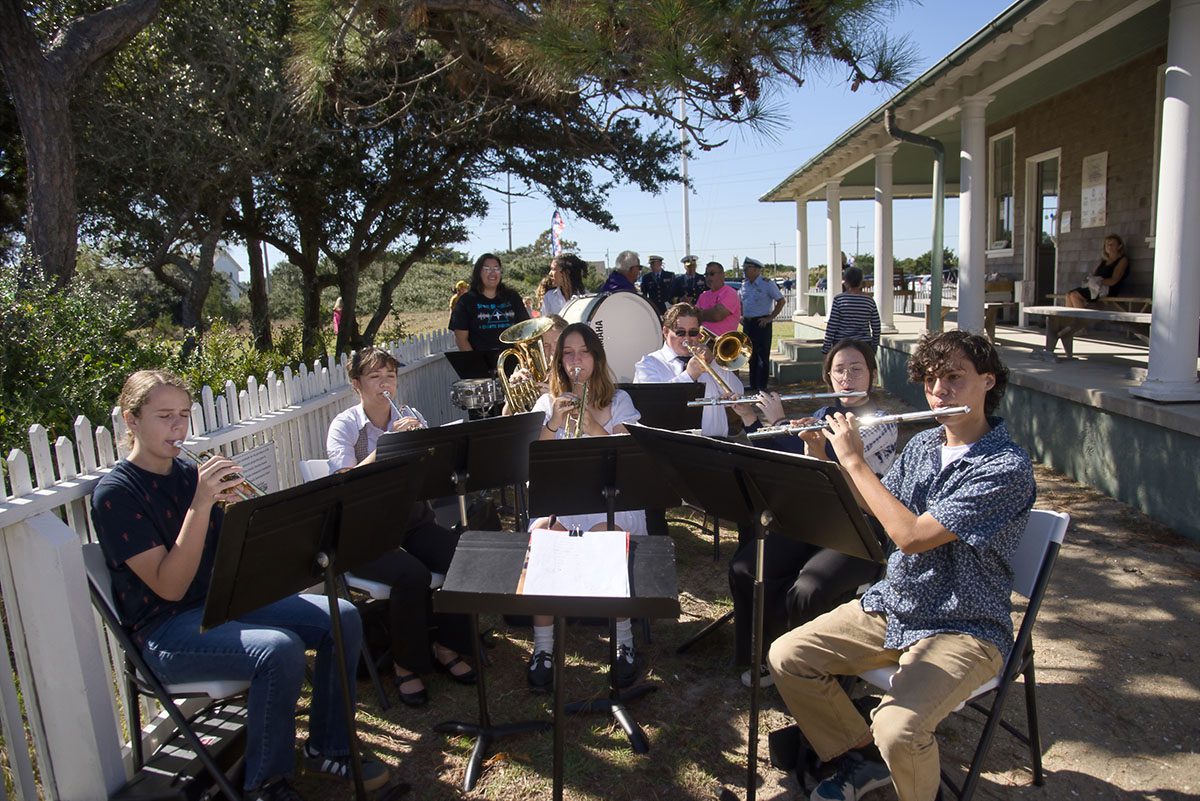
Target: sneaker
<point x="765" y="679"/>
<point x="626" y="665"/>
<point x="541" y="670"/>
<point x="278" y="790"/>
<point x="855" y="776"/>
<point x="374" y="773"/>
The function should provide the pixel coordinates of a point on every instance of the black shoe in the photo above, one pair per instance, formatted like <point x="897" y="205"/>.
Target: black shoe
<point x="417" y="697"/>
<point x="278" y="790"/>
<point x="375" y="774"/>
<point x="626" y="665"/>
<point x="464" y="678"/>
<point x="541" y="670"/>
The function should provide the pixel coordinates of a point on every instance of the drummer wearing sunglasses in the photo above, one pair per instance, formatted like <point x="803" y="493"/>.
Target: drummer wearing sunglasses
<point x="674" y="363"/>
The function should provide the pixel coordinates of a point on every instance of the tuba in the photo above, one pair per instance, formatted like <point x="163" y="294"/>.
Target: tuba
<point x="526" y="340"/>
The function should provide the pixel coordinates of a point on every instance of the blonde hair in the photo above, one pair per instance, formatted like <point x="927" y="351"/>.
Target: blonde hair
<point x="137" y="388"/>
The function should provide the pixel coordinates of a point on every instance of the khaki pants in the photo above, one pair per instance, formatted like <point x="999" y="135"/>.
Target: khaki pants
<point x="936" y="675"/>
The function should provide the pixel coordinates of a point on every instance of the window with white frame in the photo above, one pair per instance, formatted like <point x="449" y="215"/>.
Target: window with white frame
<point x="1001" y="185"/>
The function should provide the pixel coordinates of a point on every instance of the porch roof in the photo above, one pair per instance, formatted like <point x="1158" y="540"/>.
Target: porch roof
<point x="1034" y="50"/>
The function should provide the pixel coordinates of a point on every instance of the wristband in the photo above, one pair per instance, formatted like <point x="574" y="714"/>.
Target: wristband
<point x="551" y="430"/>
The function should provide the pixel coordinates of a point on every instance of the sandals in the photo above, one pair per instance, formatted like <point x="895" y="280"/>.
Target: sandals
<point x="418" y="698"/>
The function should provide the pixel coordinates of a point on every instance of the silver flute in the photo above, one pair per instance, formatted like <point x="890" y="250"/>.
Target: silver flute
<point x="756" y="398"/>
<point x="876" y="420"/>
<point x="402" y="411"/>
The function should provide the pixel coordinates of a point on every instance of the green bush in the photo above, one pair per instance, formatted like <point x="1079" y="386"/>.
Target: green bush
<point x="64" y="354"/>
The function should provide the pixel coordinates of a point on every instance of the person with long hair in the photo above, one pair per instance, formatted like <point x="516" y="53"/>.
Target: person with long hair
<point x="158" y="519"/>
<point x="488" y="307"/>
<point x="579" y="363"/>
<point x="1106" y="279"/>
<point x="420" y="639"/>
<point x="566" y="275"/>
<point x="802" y="581"/>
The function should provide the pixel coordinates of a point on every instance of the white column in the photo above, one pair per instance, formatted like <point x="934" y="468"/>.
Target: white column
<point x="833" y="239"/>
<point x="884" y="282"/>
<point x="801" y="256"/>
<point x="972" y="213"/>
<point x="1173" y="349"/>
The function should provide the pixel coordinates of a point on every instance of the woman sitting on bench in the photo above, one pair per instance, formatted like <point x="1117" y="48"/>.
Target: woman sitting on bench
<point x="1106" y="280"/>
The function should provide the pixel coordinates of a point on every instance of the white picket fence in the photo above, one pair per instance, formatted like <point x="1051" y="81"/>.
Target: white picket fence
<point x="60" y="717"/>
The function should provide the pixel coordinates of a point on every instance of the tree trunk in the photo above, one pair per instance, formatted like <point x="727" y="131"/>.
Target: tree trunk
<point x="260" y="313"/>
<point x="201" y="283"/>
<point x="40" y="84"/>
<point x="348" y="337"/>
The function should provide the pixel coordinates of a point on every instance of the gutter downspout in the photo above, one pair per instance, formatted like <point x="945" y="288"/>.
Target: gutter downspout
<point x="939" y="211"/>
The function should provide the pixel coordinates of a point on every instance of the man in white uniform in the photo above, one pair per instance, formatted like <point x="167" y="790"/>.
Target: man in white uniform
<point x="674" y="363"/>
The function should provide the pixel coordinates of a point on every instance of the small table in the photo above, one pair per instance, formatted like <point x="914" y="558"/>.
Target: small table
<point x="483" y="576"/>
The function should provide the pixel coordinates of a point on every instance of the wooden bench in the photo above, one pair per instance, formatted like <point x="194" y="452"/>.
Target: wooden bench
<point x="1059" y="323"/>
<point x="997" y="295"/>
<point x="1119" y="303"/>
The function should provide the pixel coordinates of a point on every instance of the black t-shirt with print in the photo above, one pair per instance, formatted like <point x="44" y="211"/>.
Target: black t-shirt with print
<point x="484" y="320"/>
<point x="134" y="511"/>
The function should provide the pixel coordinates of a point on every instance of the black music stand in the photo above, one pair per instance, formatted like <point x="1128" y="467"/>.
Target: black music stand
<point x="796" y="496"/>
<point x="486" y="572"/>
<point x="277" y="545"/>
<point x="665" y="405"/>
<point x="599" y="474"/>
<point x="479" y="454"/>
<point x="473" y="363"/>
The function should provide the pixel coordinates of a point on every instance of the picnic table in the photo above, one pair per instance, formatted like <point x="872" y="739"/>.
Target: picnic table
<point x="1063" y="322"/>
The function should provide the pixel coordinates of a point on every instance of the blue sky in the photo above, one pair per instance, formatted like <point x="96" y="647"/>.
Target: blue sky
<point x="727" y="220"/>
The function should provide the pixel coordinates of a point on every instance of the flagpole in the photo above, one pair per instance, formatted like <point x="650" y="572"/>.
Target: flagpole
<point x="683" y="139"/>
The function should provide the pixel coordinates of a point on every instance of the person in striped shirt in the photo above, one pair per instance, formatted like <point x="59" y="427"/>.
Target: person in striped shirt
<point x="853" y="314"/>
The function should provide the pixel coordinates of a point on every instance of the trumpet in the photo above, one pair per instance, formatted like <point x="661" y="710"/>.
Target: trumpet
<point x="731" y="351"/>
<point x="525" y="338"/>
<point x="403" y="411"/>
<point x="755" y="398"/>
<point x="244" y="488"/>
<point x="876" y="420"/>
<point x="577" y="431"/>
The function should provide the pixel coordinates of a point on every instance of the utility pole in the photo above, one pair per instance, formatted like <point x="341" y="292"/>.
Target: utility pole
<point x="856" y="228"/>
<point x="683" y="139"/>
<point x="775" y="255"/>
<point x="508" y="200"/>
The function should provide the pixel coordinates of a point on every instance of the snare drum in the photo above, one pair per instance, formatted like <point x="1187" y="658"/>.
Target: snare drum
<point x="475" y="393"/>
<point x="627" y="324"/>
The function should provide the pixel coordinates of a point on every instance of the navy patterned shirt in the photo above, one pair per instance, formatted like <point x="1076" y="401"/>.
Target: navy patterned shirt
<point x="134" y="511"/>
<point x="964" y="586"/>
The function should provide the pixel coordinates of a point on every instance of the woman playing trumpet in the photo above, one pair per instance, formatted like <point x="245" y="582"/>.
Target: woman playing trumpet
<point x="420" y="639"/>
<point x="802" y="581"/>
<point x="158" y="519"/>
<point x="583" y="401"/>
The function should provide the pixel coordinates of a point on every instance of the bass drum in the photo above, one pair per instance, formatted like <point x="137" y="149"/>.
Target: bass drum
<point x="627" y="323"/>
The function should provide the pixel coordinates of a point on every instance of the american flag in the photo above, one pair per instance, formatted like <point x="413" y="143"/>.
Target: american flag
<point x="557" y="224"/>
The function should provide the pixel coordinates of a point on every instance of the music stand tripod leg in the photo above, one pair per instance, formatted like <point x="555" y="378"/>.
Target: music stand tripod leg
<point x="484" y="732"/>
<point x="325" y="559"/>
<point x="614" y="704"/>
<point x="687" y="644"/>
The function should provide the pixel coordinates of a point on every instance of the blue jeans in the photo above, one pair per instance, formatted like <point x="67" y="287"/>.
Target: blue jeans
<point x="267" y="648"/>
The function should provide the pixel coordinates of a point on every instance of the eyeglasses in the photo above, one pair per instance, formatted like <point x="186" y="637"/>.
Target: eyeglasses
<point x="681" y="332"/>
<point x="848" y="372"/>
<point x="489" y="268"/>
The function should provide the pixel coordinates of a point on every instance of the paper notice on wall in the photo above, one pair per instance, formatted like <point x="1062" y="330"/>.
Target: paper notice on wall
<point x="1064" y="223"/>
<point x="1092" y="210"/>
<point x="591" y="564"/>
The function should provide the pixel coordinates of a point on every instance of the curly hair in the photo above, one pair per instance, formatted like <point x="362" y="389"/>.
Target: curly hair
<point x="934" y="352"/>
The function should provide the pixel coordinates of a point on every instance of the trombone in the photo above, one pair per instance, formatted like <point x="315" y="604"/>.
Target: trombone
<point x="244" y="488"/>
<point x="876" y="420"/>
<point x="526" y="340"/>
<point x="731" y="351"/>
<point x="755" y="398"/>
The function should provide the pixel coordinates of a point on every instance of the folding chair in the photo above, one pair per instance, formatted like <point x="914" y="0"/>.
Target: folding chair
<point x="1032" y="564"/>
<point x="140" y="680"/>
<point x="311" y="469"/>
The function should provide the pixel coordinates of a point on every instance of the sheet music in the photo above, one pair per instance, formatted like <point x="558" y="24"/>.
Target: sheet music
<point x="593" y="564"/>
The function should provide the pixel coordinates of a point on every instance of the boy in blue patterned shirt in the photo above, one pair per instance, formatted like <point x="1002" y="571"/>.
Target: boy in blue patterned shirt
<point x="955" y="505"/>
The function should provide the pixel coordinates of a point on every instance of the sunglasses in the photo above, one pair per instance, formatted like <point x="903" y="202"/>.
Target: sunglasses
<point x="710" y="275"/>
<point x="682" y="332"/>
